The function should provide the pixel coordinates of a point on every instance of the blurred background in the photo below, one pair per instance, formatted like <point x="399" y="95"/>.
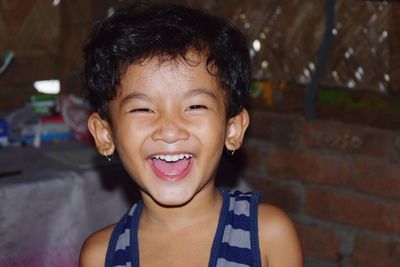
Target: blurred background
<point x="323" y="145"/>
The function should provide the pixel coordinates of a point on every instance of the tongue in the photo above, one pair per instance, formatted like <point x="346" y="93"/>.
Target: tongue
<point x="171" y="168"/>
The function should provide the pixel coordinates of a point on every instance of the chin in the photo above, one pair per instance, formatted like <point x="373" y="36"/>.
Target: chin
<point x="171" y="202"/>
<point x="172" y="198"/>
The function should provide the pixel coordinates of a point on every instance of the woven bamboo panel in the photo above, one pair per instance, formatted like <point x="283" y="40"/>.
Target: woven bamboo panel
<point x="360" y="55"/>
<point x="287" y="36"/>
<point x="77" y="18"/>
<point x="29" y="27"/>
<point x="31" y="30"/>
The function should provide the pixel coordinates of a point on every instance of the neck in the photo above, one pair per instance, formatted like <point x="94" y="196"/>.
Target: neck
<point x="207" y="203"/>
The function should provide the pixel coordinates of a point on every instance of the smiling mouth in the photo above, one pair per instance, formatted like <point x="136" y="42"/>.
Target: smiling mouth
<point x="171" y="167"/>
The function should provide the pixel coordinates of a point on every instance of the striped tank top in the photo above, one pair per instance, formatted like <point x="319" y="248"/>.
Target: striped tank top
<point x="235" y="242"/>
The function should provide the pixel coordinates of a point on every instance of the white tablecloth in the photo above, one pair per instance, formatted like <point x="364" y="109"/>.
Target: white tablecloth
<point x="57" y="196"/>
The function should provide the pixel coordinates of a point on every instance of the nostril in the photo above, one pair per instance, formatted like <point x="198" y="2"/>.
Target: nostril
<point x="170" y="132"/>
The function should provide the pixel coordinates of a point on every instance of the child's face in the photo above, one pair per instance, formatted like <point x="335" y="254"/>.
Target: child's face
<point x="169" y="127"/>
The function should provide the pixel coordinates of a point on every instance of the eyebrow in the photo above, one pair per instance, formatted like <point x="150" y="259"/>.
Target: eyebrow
<point x="191" y="93"/>
<point x="200" y="91"/>
<point x="135" y="96"/>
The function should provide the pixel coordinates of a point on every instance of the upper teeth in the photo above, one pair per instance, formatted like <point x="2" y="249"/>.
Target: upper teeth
<point x="172" y="158"/>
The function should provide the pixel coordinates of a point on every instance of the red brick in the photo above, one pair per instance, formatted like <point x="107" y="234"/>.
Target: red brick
<point x="377" y="177"/>
<point x="254" y="156"/>
<point x="374" y="252"/>
<point x="396" y="149"/>
<point x="349" y="209"/>
<point x="319" y="243"/>
<point x="279" y="129"/>
<point x="284" y="197"/>
<point x="398" y="219"/>
<point x="306" y="166"/>
<point x="346" y="138"/>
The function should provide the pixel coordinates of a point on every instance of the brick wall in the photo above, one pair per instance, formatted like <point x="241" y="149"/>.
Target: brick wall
<point x="339" y="182"/>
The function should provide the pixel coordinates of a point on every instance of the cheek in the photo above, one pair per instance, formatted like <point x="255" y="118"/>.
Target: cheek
<point x="211" y="132"/>
<point x="128" y="137"/>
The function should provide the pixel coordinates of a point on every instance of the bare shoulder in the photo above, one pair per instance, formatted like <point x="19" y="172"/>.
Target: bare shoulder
<point x="279" y="242"/>
<point x="94" y="249"/>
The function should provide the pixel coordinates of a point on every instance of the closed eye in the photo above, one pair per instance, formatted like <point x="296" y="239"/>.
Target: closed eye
<point x="140" y="110"/>
<point x="195" y="107"/>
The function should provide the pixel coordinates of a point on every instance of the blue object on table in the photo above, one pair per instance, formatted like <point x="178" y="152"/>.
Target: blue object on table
<point x="3" y="133"/>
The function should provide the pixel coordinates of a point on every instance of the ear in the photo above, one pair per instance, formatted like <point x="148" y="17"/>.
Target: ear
<point x="236" y="129"/>
<point x="102" y="134"/>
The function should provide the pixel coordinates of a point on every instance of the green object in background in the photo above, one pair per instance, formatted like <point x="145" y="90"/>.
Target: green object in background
<point x="397" y="108"/>
<point x="42" y="103"/>
<point x="343" y="99"/>
<point x="334" y="97"/>
<point x="43" y="97"/>
<point x="255" y="90"/>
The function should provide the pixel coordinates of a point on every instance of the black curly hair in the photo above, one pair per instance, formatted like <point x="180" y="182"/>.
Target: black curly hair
<point x="167" y="32"/>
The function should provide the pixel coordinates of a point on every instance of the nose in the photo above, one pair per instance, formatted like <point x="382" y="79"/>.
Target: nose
<point x="170" y="129"/>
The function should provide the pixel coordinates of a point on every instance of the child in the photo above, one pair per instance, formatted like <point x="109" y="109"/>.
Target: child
<point x="168" y="85"/>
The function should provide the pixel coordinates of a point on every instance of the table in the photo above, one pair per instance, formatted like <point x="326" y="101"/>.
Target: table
<point x="52" y="198"/>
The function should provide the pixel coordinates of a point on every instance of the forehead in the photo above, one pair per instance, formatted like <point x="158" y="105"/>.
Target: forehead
<point x="192" y="70"/>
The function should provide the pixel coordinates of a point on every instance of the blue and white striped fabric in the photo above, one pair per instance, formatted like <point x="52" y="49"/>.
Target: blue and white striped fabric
<point x="235" y="242"/>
